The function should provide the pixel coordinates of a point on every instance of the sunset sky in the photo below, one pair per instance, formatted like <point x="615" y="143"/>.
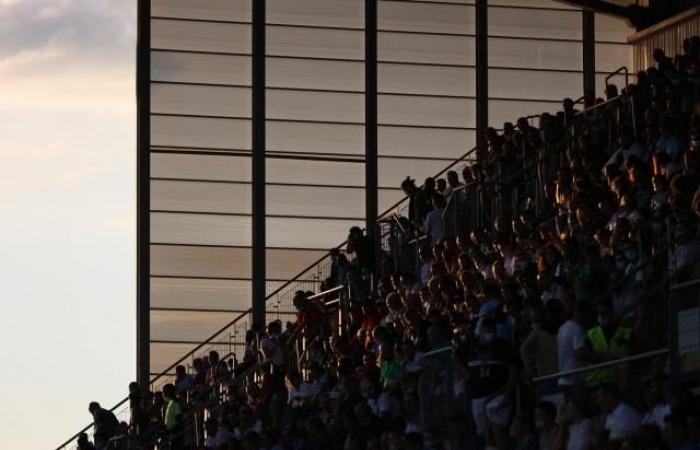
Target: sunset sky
<point x="67" y="272"/>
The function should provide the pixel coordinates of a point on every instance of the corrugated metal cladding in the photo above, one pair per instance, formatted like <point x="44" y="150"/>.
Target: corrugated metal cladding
<point x="668" y="36"/>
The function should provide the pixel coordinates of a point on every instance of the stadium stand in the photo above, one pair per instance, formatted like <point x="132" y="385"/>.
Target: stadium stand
<point x="526" y="303"/>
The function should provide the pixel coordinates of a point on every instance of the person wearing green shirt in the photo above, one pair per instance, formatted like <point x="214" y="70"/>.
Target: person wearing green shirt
<point x="607" y="341"/>
<point x="173" y="409"/>
<point x="389" y="369"/>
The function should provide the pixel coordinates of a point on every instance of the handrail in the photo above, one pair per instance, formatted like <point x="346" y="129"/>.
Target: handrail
<point x="608" y="101"/>
<point x="684" y="285"/>
<point x="444" y="170"/>
<point x="85" y="429"/>
<point x="627" y="76"/>
<point x="439" y="350"/>
<point x="531" y="116"/>
<point x="603" y="365"/>
<point x="462" y="187"/>
<point x="599" y="105"/>
<point x="332" y="290"/>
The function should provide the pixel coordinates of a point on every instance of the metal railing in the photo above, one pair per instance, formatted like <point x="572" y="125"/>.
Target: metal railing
<point x="392" y="210"/>
<point x="336" y="317"/>
<point x="621" y="69"/>
<point x="603" y="365"/>
<point x="628" y="373"/>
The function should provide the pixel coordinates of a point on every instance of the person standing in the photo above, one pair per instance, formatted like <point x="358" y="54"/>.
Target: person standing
<point x="173" y="416"/>
<point x="106" y="424"/>
<point x="433" y="226"/>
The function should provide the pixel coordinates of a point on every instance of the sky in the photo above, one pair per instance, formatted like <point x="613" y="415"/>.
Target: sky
<point x="68" y="222"/>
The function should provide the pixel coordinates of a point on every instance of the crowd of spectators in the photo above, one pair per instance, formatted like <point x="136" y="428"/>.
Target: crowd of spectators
<point x="557" y="283"/>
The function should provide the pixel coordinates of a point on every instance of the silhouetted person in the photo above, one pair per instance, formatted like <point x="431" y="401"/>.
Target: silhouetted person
<point x="106" y="424"/>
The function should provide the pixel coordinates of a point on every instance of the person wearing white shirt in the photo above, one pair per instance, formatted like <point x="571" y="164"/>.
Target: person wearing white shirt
<point x="575" y="430"/>
<point x="270" y="345"/>
<point x="386" y="405"/>
<point x="410" y="358"/>
<point x="626" y="147"/>
<point x="621" y="420"/>
<point x="657" y="415"/>
<point x="426" y="261"/>
<point x="580" y="435"/>
<point x="433" y="225"/>
<point x="570" y="339"/>
<point x="452" y="183"/>
<point x="298" y="390"/>
<point x="654" y="397"/>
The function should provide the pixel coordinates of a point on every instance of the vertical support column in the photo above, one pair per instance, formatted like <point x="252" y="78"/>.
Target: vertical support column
<point x="589" y="87"/>
<point x="371" y="184"/>
<point x="143" y="194"/>
<point x="258" y="164"/>
<point x="482" y="72"/>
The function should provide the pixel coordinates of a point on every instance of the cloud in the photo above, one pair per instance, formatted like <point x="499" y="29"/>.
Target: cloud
<point x="102" y="29"/>
<point x="68" y="54"/>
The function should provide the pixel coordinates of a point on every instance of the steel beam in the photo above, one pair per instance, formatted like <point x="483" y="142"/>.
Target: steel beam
<point x="143" y="193"/>
<point x="258" y="163"/>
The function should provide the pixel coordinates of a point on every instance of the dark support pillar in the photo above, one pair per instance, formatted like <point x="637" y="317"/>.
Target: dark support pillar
<point x="371" y="186"/>
<point x="258" y="175"/>
<point x="482" y="72"/>
<point x="589" y="88"/>
<point x="143" y="193"/>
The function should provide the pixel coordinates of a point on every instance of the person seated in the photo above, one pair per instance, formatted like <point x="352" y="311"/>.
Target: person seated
<point x="620" y="420"/>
